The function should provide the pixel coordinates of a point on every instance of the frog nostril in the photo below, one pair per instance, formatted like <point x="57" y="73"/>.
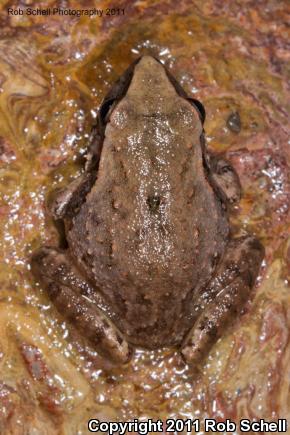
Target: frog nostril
<point x="153" y="202"/>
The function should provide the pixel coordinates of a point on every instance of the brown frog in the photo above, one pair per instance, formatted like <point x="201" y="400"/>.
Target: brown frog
<point x="150" y="261"/>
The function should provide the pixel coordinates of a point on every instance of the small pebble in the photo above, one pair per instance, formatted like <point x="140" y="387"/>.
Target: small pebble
<point x="234" y="122"/>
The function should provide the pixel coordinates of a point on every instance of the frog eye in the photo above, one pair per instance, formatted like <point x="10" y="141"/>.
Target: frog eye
<point x="197" y="104"/>
<point x="105" y="109"/>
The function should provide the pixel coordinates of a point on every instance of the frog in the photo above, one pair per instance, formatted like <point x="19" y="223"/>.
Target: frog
<point x="149" y="259"/>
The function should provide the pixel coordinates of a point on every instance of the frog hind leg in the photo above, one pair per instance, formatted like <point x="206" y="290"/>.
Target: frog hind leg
<point x="72" y="297"/>
<point x="224" y="178"/>
<point x="224" y="296"/>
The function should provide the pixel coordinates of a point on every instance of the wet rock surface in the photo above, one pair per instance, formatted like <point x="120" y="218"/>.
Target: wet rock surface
<point x="54" y="73"/>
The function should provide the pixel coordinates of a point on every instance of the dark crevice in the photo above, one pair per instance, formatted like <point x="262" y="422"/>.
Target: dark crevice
<point x="153" y="202"/>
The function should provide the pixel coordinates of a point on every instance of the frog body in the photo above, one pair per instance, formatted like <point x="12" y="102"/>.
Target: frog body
<point x="150" y="261"/>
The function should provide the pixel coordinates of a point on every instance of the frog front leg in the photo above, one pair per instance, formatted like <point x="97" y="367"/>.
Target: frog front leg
<point x="224" y="296"/>
<point x="224" y="178"/>
<point x="78" y="302"/>
<point x="67" y="201"/>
